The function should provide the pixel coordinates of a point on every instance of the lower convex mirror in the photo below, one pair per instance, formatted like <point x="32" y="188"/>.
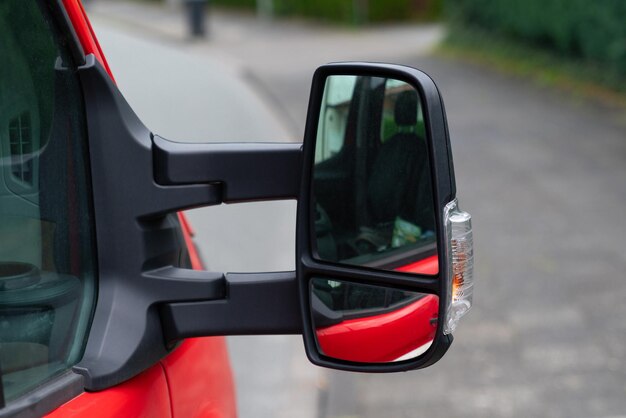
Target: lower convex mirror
<point x="371" y="324"/>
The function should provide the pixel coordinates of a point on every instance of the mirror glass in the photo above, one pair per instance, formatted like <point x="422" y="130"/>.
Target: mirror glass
<point x="371" y="324"/>
<point x="372" y="190"/>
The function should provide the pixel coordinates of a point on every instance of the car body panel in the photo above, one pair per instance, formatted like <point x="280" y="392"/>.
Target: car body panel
<point x="144" y="396"/>
<point x="200" y="380"/>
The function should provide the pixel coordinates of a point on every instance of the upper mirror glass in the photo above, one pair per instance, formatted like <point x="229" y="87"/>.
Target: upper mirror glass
<point x="372" y="189"/>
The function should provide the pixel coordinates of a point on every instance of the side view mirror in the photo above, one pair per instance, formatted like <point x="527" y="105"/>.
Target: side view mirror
<point x="385" y="261"/>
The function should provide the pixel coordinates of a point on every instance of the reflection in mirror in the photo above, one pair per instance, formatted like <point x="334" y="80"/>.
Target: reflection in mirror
<point x="372" y="189"/>
<point x="371" y="324"/>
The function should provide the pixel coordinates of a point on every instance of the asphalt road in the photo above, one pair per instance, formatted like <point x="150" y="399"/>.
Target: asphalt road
<point x="542" y="173"/>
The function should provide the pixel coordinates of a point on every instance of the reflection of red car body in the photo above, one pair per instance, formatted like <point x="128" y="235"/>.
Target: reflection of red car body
<point x="428" y="265"/>
<point x="389" y="336"/>
<point x="382" y="338"/>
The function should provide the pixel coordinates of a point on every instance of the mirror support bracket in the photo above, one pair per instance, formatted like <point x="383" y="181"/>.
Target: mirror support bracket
<point x="138" y="182"/>
<point x="246" y="171"/>
<point x="254" y="303"/>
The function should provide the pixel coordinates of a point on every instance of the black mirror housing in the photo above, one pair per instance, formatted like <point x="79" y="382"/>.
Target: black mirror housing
<point x="148" y="299"/>
<point x="310" y="265"/>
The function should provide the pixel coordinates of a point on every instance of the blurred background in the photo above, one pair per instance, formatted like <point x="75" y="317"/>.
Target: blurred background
<point x="535" y="93"/>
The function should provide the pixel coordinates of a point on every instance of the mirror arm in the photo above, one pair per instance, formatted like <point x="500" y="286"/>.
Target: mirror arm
<point x="254" y="304"/>
<point x="138" y="237"/>
<point x="246" y="171"/>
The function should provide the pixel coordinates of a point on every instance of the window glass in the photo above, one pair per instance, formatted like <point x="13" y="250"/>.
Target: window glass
<point x="332" y="128"/>
<point x="46" y="252"/>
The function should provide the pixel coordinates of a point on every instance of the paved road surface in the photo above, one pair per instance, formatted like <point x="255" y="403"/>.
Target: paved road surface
<point x="542" y="173"/>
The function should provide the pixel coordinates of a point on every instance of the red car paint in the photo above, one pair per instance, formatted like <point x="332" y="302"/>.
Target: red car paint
<point x="200" y="380"/>
<point x="428" y="265"/>
<point x="84" y="32"/>
<point x="195" y="380"/>
<point x="146" y="395"/>
<point x="384" y="337"/>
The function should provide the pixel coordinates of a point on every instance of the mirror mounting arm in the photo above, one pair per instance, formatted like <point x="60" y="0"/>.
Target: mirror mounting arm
<point x="245" y="171"/>
<point x="254" y="304"/>
<point x="138" y="182"/>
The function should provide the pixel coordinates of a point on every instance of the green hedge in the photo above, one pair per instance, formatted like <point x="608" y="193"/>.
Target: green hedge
<point x="350" y="11"/>
<point x="592" y="30"/>
<point x="244" y="4"/>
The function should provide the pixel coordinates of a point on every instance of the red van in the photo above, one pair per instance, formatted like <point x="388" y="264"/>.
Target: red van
<point x="105" y="308"/>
